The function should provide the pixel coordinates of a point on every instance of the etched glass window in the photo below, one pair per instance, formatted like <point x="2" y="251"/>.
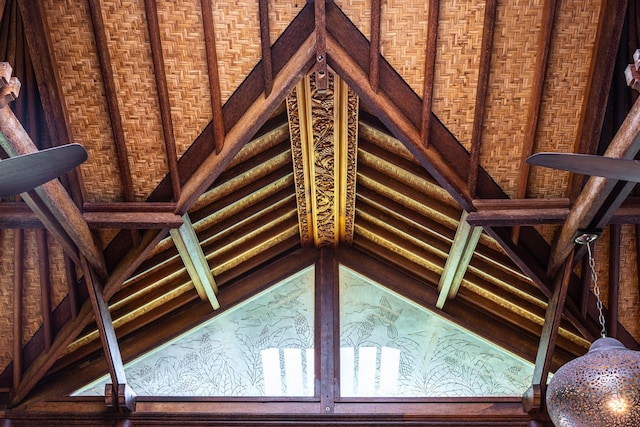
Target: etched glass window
<point x="262" y="347"/>
<point x="391" y="347"/>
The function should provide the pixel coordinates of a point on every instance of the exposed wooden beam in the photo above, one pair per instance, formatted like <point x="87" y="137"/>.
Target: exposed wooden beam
<point x="481" y="93"/>
<point x="265" y="43"/>
<point x="548" y="339"/>
<point x="517" y="212"/>
<point x="164" y="103"/>
<point x="188" y="245"/>
<point x="462" y="248"/>
<point x="374" y="48"/>
<point x="65" y="215"/>
<point x="71" y="280"/>
<point x="431" y="46"/>
<point x="625" y="144"/>
<point x="535" y="101"/>
<point x="122" y="396"/>
<point x="111" y="95"/>
<point x="45" y="287"/>
<point x="214" y="78"/>
<point x="127" y="215"/>
<point x="132" y="220"/>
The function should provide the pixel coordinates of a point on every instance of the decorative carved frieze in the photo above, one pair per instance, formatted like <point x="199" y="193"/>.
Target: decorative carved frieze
<point x="323" y="129"/>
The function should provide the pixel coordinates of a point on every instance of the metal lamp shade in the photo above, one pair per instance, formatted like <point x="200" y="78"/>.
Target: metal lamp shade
<point x="601" y="388"/>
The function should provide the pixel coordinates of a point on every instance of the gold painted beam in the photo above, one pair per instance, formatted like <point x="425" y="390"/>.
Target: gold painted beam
<point x="194" y="260"/>
<point x="464" y="243"/>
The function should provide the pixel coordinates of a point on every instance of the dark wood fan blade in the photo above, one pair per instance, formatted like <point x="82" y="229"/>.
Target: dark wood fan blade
<point x="23" y="173"/>
<point x="587" y="164"/>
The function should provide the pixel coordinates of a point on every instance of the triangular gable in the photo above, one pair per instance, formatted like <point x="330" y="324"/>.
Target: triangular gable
<point x="390" y="347"/>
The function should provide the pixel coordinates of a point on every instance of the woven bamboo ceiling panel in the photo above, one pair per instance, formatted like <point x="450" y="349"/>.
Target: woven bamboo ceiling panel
<point x="233" y="143"/>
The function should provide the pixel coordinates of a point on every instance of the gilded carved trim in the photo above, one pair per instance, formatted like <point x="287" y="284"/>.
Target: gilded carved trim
<point x="323" y="129"/>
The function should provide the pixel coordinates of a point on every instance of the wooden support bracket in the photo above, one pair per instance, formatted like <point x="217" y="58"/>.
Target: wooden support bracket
<point x="632" y="72"/>
<point x="9" y="86"/>
<point x="121" y="397"/>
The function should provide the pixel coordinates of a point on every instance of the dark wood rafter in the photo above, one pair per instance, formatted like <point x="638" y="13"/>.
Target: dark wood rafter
<point x="111" y="95"/>
<point x="217" y="120"/>
<point x="481" y="93"/>
<point x="637" y="241"/>
<point x="18" y="283"/>
<point x="374" y="49"/>
<point x="116" y="215"/>
<point x="548" y="340"/>
<point x="120" y="395"/>
<point x="535" y="100"/>
<point x="265" y="43"/>
<point x="72" y="287"/>
<point x="429" y="69"/>
<point x="322" y="75"/>
<point x="615" y="240"/>
<point x="518" y="212"/>
<point x="164" y="102"/>
<point x="44" y="273"/>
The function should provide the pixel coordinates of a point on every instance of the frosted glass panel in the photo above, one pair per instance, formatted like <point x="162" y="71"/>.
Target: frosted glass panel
<point x="263" y="347"/>
<point x="393" y="347"/>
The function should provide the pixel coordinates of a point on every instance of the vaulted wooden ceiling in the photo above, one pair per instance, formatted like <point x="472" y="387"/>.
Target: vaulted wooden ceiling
<point x="233" y="143"/>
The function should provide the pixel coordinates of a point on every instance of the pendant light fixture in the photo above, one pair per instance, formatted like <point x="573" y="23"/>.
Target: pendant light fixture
<point x="601" y="388"/>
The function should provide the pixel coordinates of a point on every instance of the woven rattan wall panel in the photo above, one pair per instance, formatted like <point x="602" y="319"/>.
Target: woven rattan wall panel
<point x="31" y="304"/>
<point x="564" y="92"/>
<point x="281" y="13"/>
<point x="83" y="92"/>
<point x="6" y="298"/>
<point x="237" y="31"/>
<point x="403" y="31"/>
<point x="359" y="12"/>
<point x="510" y="85"/>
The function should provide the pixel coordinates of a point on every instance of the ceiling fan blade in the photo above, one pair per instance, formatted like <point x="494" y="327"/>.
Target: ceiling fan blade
<point x="587" y="164"/>
<point x="25" y="172"/>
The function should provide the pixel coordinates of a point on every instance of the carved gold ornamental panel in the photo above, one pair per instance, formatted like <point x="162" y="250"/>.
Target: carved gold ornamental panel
<point x="324" y="129"/>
